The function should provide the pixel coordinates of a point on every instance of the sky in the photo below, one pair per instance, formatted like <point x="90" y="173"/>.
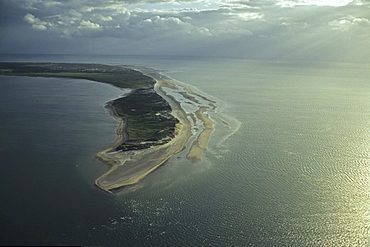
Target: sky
<point x="337" y="30"/>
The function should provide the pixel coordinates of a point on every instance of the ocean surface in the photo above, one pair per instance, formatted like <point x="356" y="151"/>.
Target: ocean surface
<point x="287" y="165"/>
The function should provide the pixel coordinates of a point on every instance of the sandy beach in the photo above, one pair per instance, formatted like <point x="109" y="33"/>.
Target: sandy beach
<point x="128" y="168"/>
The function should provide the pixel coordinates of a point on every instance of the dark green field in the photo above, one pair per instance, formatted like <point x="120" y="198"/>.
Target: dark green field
<point x="147" y="114"/>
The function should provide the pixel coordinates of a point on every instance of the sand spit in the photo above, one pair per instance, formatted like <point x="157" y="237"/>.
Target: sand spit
<point x="128" y="168"/>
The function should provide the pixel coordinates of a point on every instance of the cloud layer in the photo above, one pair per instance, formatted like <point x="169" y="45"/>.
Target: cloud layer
<point x="247" y="28"/>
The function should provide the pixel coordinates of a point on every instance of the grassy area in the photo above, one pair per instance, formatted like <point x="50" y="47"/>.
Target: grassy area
<point x="148" y="118"/>
<point x="149" y="121"/>
<point x="116" y="75"/>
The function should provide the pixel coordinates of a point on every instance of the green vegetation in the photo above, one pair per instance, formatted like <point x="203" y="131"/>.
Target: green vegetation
<point x="116" y="75"/>
<point x="147" y="114"/>
<point x="149" y="121"/>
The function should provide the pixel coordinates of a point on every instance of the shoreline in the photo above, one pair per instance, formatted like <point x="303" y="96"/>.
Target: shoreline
<point x="205" y="130"/>
<point x="130" y="167"/>
<point x="160" y="120"/>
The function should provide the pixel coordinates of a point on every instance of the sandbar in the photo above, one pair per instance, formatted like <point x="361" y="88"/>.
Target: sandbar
<point x="200" y="143"/>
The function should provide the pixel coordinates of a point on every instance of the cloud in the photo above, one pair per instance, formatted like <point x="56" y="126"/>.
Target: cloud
<point x="315" y="2"/>
<point x="362" y="22"/>
<point x="348" y="23"/>
<point x="250" y="28"/>
<point x="360" y="2"/>
<point x="108" y="19"/>
<point x="89" y="25"/>
<point x="113" y="19"/>
<point x="157" y="22"/>
<point x="36" y="22"/>
<point x="171" y="25"/>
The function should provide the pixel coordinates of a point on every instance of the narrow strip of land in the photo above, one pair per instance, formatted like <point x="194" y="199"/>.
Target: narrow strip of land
<point x="128" y="168"/>
<point x="153" y="125"/>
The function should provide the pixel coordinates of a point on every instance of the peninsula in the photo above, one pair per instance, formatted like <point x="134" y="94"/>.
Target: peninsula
<point x="153" y="126"/>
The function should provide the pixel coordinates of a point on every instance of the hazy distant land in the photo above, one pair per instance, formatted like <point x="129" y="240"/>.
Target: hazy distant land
<point x="153" y="126"/>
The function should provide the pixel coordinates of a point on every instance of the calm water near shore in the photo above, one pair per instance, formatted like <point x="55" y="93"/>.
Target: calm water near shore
<point x="291" y="169"/>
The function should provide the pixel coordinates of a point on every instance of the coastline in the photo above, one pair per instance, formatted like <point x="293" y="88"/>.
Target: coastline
<point x="130" y="167"/>
<point x="160" y="118"/>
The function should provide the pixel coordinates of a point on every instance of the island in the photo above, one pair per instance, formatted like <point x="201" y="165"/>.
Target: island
<point x="153" y="126"/>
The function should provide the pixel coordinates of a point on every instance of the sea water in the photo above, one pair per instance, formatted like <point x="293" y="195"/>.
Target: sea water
<point x="287" y="165"/>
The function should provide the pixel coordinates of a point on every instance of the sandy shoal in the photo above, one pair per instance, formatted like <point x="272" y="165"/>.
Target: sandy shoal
<point x="200" y="143"/>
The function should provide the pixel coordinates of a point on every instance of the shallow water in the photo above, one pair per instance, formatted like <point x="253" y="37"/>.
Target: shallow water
<point x="294" y="170"/>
